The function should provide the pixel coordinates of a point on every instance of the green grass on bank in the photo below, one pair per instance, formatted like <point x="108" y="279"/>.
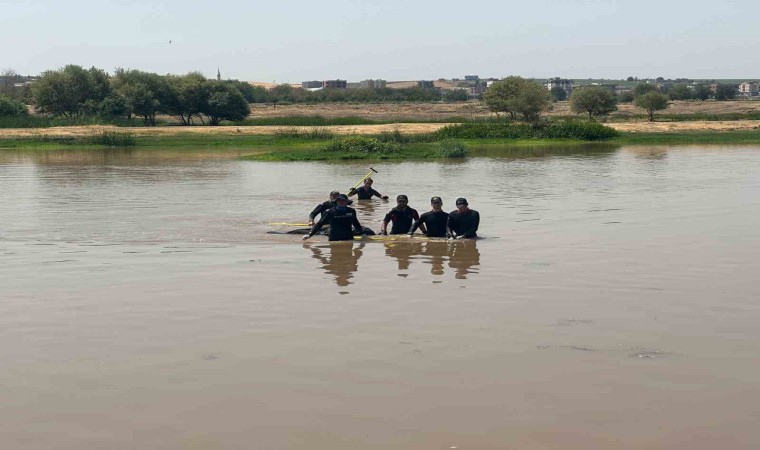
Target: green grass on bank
<point x="691" y="137"/>
<point x="290" y="143"/>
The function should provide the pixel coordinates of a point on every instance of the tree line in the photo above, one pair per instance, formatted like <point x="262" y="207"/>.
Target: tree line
<point x="520" y="98"/>
<point x="73" y="91"/>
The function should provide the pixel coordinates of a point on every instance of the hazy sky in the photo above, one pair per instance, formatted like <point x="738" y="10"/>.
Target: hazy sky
<point x="292" y="41"/>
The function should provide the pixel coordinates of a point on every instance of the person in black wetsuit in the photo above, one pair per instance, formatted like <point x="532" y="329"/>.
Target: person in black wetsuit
<point x="402" y="217"/>
<point x="463" y="223"/>
<point x="324" y="206"/>
<point x="434" y="220"/>
<point x="341" y="219"/>
<point x="366" y="192"/>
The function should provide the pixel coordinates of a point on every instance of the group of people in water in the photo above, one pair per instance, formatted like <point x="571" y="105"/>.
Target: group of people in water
<point x="461" y="223"/>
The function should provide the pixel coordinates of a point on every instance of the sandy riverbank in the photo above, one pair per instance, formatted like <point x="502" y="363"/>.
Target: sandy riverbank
<point x="406" y="128"/>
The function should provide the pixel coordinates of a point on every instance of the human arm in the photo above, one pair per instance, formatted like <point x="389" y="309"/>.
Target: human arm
<point x="315" y="212"/>
<point x="473" y="230"/>
<point x="377" y="194"/>
<point x="418" y="219"/>
<point x="450" y="223"/>
<point x="357" y="226"/>
<point x="384" y="225"/>
<point x="417" y="224"/>
<point x="318" y="226"/>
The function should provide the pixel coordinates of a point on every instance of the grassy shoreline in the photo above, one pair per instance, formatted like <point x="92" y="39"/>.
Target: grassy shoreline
<point x="412" y="144"/>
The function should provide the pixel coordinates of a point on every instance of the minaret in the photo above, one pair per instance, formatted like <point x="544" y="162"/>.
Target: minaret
<point x="218" y="74"/>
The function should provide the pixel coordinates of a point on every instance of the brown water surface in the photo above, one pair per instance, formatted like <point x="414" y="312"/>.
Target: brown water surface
<point x="612" y="304"/>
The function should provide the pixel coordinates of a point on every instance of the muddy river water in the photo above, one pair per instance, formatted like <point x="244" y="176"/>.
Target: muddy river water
<point x="613" y="303"/>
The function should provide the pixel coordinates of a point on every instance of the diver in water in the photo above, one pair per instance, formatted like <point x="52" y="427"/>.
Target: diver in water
<point x="463" y="223"/>
<point x="341" y="219"/>
<point x="366" y="192"/>
<point x="435" y="220"/>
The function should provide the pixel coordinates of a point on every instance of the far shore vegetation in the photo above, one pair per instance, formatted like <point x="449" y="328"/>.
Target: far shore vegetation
<point x="74" y="96"/>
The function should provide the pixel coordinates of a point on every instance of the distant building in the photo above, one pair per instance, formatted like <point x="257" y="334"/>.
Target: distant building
<point x="334" y="84"/>
<point x="561" y="83"/>
<point x="311" y="84"/>
<point x="749" y="89"/>
<point x="424" y="84"/>
<point x="478" y="90"/>
<point x="373" y="84"/>
<point x="471" y="78"/>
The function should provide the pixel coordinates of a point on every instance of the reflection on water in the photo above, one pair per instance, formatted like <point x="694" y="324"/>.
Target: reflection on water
<point x="538" y="151"/>
<point x="462" y="256"/>
<point x="339" y="259"/>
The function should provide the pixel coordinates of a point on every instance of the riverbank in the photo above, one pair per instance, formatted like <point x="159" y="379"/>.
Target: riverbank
<point x="253" y="137"/>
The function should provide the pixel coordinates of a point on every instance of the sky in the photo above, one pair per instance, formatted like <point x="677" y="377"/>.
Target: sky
<point x="393" y="40"/>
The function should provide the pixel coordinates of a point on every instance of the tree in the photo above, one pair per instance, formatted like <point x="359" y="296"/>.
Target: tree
<point x="651" y="102"/>
<point x="8" y="78"/>
<point x="725" y="92"/>
<point x="225" y="102"/>
<point x="644" y="88"/>
<point x="629" y="79"/>
<point x="516" y="95"/>
<point x="500" y="97"/>
<point x="625" y="97"/>
<point x="702" y="92"/>
<point x="680" y="92"/>
<point x="455" y="95"/>
<point x="69" y="90"/>
<point x="595" y="100"/>
<point x="191" y="92"/>
<point x="11" y="108"/>
<point x="146" y="93"/>
<point x="559" y="94"/>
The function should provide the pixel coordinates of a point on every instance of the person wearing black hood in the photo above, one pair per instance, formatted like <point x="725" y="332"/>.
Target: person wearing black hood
<point x="341" y="218"/>
<point x="402" y="217"/>
<point x="435" y="220"/>
<point x="463" y="223"/>
<point x="322" y="208"/>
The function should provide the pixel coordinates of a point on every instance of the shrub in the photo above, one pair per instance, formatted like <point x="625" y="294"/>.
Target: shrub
<point x="111" y="139"/>
<point x="451" y="148"/>
<point x="585" y="131"/>
<point x="361" y="144"/>
<point x="11" y="108"/>
<point x="312" y="133"/>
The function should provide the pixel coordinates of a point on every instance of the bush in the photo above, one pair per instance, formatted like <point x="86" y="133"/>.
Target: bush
<point x="312" y="133"/>
<point x="584" y="131"/>
<point x="11" y="108"/>
<point x="451" y="148"/>
<point x="111" y="139"/>
<point x="361" y="144"/>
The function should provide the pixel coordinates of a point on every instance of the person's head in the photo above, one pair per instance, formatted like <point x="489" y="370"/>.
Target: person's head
<point x="368" y="182"/>
<point x="402" y="201"/>
<point x="334" y="195"/>
<point x="341" y="201"/>
<point x="436" y="203"/>
<point x="462" y="204"/>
